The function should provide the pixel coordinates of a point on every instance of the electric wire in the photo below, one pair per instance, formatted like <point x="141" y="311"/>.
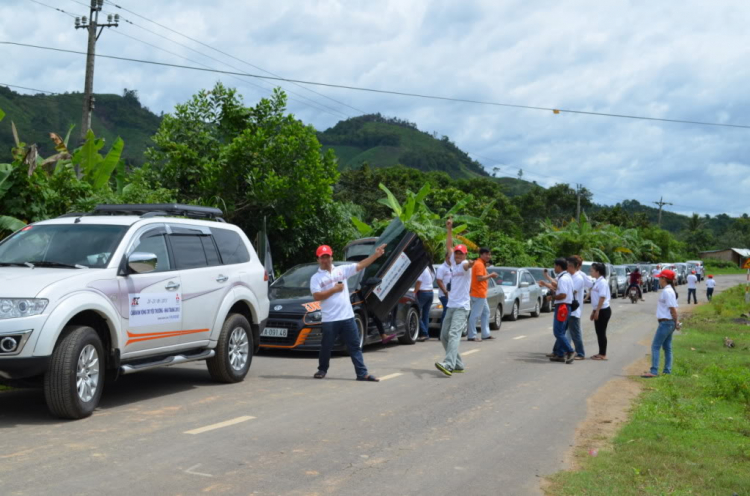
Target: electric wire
<point x="233" y="57"/>
<point x="54" y="8"/>
<point x="387" y="92"/>
<point x="30" y="89"/>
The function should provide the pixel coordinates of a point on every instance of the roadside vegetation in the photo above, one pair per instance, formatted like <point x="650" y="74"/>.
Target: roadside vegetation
<point x="689" y="433"/>
<point x="719" y="267"/>
<point x="263" y="166"/>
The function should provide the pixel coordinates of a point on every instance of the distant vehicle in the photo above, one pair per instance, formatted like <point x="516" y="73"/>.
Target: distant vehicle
<point x="522" y="293"/>
<point x="682" y="272"/>
<point x="538" y="274"/>
<point x="644" y="277"/>
<point x="294" y="322"/>
<point x="495" y="299"/>
<point x="621" y="276"/>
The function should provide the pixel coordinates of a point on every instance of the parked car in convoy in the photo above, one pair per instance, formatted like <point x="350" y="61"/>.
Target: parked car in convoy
<point x="126" y="288"/>
<point x="522" y="293"/>
<point x="294" y="321"/>
<point x="646" y="269"/>
<point x="538" y="274"/>
<point x="495" y="300"/>
<point x="682" y="272"/>
<point x="644" y="276"/>
<point x="620" y="273"/>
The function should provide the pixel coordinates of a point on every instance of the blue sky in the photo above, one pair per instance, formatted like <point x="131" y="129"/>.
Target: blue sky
<point x="679" y="60"/>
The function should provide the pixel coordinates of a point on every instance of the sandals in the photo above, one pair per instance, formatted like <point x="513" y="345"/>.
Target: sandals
<point x="319" y="374"/>
<point x="387" y="339"/>
<point x="649" y="375"/>
<point x="368" y="378"/>
<point x="598" y="357"/>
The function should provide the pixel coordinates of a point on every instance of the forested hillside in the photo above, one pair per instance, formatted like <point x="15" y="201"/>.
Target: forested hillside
<point x="385" y="142"/>
<point x="35" y="116"/>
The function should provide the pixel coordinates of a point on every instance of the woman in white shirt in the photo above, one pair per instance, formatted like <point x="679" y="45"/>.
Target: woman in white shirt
<point x="710" y="285"/>
<point x="600" y="296"/>
<point x="666" y="313"/>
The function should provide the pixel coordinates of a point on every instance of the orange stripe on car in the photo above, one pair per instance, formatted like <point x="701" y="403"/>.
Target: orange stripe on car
<point x="136" y="338"/>
<point x="300" y="340"/>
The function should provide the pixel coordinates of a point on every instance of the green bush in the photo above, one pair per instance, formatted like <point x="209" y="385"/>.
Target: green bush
<point x="712" y="263"/>
<point x="729" y="383"/>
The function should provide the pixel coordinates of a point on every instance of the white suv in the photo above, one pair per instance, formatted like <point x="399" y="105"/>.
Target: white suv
<point x="123" y="289"/>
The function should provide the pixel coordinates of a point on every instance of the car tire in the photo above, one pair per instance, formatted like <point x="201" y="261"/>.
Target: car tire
<point x="78" y="355"/>
<point x="537" y="309"/>
<point x="411" y="333"/>
<point x="497" y="322"/>
<point x="546" y="306"/>
<point x="234" y="351"/>
<point x="514" y="311"/>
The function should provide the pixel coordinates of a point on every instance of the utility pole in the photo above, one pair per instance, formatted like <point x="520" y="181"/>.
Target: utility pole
<point x="661" y="203"/>
<point x="579" y="190"/>
<point x="92" y="24"/>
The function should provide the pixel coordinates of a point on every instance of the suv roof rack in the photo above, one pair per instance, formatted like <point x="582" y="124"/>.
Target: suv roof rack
<point x="160" y="209"/>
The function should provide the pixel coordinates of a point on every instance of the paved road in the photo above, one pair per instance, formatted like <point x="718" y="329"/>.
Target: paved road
<point x="492" y="431"/>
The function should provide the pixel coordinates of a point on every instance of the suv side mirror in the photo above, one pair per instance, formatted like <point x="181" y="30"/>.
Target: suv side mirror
<point x="142" y="263"/>
<point x="524" y="284"/>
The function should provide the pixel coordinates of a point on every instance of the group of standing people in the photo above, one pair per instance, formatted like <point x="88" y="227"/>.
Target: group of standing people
<point x="462" y="287"/>
<point x="567" y="291"/>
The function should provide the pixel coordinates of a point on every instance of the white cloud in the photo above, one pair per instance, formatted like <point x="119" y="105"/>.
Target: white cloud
<point x="674" y="60"/>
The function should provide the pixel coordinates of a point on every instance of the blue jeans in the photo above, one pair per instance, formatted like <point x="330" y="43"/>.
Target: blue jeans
<point x="562" y="345"/>
<point x="655" y="284"/>
<point x="444" y="301"/>
<point x="709" y="293"/>
<point x="450" y="335"/>
<point x="574" y="334"/>
<point x="692" y="292"/>
<point x="424" y="299"/>
<point x="662" y="339"/>
<point x="347" y="329"/>
<point x="479" y="307"/>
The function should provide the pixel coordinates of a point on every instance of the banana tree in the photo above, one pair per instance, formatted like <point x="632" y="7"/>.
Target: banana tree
<point x="7" y="223"/>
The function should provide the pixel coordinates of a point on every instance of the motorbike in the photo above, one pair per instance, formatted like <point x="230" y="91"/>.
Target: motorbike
<point x="633" y="295"/>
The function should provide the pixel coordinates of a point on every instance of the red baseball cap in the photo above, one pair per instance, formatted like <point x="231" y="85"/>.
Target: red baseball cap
<point x="461" y="248"/>
<point x="324" y="250"/>
<point x="668" y="274"/>
<point x="710" y="276"/>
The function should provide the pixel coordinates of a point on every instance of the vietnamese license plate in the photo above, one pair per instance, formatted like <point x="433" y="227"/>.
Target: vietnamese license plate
<point x="274" y="332"/>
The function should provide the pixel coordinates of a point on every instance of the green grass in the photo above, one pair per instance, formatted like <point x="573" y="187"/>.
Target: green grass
<point x="725" y="271"/>
<point x="3" y="388"/>
<point x="689" y="433"/>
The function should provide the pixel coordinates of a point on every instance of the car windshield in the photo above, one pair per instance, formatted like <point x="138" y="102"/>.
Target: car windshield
<point x="62" y="245"/>
<point x="505" y="277"/>
<point x="620" y="271"/>
<point x="537" y="273"/>
<point x="299" y="277"/>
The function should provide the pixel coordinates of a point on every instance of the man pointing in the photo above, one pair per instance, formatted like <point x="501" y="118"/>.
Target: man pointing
<point x="329" y="287"/>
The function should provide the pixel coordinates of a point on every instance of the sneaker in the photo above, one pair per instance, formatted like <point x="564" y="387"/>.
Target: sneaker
<point x="569" y="357"/>
<point x="557" y="359"/>
<point x="442" y="368"/>
<point x="459" y="371"/>
<point x="550" y="355"/>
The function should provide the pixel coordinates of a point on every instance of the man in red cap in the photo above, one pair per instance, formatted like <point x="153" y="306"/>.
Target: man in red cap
<point x="329" y="287"/>
<point x="459" y="304"/>
<point x="710" y="285"/>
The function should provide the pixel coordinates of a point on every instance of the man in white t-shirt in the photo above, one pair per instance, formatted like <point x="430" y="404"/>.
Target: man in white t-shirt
<point x="692" y="279"/>
<point x="329" y="286"/>
<point x="563" y="299"/>
<point x="425" y="297"/>
<point x="655" y="278"/>
<point x="710" y="285"/>
<point x="574" y="321"/>
<point x="459" y="304"/>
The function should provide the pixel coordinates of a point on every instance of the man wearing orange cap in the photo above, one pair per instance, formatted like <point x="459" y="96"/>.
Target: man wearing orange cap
<point x="459" y="304"/>
<point x="329" y="287"/>
<point x="692" y="279"/>
<point x="710" y="285"/>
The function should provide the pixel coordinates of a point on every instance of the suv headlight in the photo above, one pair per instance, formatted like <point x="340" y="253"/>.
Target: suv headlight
<point x="12" y="308"/>
<point x="315" y="316"/>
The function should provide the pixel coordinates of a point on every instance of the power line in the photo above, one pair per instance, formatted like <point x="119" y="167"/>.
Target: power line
<point x="387" y="92"/>
<point x="55" y="8"/>
<point x="235" y="58"/>
<point x="30" y="89"/>
<point x="316" y="105"/>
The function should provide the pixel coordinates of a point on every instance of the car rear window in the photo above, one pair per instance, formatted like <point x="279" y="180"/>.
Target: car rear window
<point x="231" y="247"/>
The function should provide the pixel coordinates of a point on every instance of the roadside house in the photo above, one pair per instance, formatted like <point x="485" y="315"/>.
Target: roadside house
<point x="735" y="255"/>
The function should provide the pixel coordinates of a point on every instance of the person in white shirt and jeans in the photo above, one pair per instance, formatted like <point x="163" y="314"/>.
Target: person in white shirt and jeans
<point x="425" y="296"/>
<point x="329" y="287"/>
<point x="666" y="314"/>
<point x="655" y="277"/>
<point x="563" y="299"/>
<point x="692" y="279"/>
<point x="459" y="304"/>
<point x="710" y="285"/>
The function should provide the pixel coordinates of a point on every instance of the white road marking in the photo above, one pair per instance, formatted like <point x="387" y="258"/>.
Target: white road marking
<point x="519" y="337"/>
<point x="475" y="350"/>
<point x="190" y="471"/>
<point x="391" y="376"/>
<point x="212" y="427"/>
